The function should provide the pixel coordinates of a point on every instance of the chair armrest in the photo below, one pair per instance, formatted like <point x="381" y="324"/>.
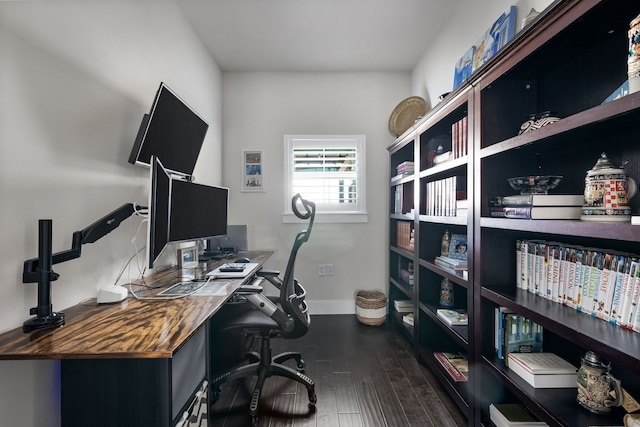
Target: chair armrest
<point x="253" y="286"/>
<point x="248" y="289"/>
<point x="272" y="277"/>
<point x="267" y="273"/>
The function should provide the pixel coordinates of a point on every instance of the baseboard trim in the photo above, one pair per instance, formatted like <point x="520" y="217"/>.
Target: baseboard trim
<point x="332" y="307"/>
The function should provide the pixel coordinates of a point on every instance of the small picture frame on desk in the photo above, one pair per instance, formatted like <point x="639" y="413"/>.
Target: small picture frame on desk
<point x="188" y="257"/>
<point x="252" y="170"/>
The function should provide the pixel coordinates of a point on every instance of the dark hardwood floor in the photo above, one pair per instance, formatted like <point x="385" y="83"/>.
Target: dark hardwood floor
<point x="364" y="376"/>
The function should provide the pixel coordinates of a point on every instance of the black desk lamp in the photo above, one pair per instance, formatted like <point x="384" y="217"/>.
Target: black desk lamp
<point x="39" y="269"/>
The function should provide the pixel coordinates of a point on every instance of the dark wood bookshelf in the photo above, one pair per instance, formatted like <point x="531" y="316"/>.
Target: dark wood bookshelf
<point x="568" y="61"/>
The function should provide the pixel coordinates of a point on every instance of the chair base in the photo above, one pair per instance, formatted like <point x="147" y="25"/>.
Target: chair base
<point x="264" y="366"/>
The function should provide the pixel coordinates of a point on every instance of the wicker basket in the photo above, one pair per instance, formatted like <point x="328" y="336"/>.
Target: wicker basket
<point x="371" y="307"/>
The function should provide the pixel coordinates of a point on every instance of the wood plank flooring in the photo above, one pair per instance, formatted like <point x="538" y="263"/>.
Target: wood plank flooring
<point x="365" y="376"/>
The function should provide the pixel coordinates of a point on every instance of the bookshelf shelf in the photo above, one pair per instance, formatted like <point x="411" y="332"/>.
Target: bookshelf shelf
<point x="535" y="72"/>
<point x="554" y="406"/>
<point x="459" y="391"/>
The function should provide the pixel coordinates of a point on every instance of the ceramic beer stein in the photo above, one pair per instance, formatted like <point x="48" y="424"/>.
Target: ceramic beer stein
<point x="607" y="191"/>
<point x="595" y="384"/>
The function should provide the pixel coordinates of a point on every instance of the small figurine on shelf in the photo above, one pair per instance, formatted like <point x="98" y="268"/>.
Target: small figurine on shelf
<point x="446" y="241"/>
<point x="446" y="293"/>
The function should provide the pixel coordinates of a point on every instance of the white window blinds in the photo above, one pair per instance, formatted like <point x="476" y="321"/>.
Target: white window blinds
<point x="329" y="170"/>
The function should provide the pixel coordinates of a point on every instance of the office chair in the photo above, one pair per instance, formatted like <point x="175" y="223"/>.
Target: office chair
<point x="258" y="317"/>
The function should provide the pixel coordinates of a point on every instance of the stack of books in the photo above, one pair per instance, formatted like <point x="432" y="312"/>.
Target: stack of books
<point x="451" y="263"/>
<point x="543" y="370"/>
<point x="537" y="206"/>
<point x="404" y="169"/>
<point x="408" y="319"/>
<point x="511" y="415"/>
<point x="403" y="306"/>
<point x="455" y="364"/>
<point x="453" y="316"/>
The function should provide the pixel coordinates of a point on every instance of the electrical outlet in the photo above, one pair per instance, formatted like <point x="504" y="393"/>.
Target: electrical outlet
<point x="322" y="269"/>
<point x="329" y="269"/>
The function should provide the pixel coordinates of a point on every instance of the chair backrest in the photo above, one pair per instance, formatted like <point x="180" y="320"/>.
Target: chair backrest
<point x="292" y="294"/>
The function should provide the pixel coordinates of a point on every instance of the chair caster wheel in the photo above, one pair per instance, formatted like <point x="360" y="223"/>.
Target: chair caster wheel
<point x="313" y="399"/>
<point x="300" y="364"/>
<point x="215" y="393"/>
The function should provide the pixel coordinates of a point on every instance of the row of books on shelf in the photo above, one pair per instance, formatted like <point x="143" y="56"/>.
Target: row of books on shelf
<point x="537" y="206"/>
<point x="515" y="333"/>
<point x="403" y="170"/>
<point x="400" y="205"/>
<point x="405" y="235"/>
<point x="602" y="283"/>
<point x="441" y="196"/>
<point x="459" y="136"/>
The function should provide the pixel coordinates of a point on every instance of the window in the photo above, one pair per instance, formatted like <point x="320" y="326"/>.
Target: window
<point x="330" y="171"/>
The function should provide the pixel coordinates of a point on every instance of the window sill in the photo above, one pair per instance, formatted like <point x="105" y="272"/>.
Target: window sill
<point x="328" y="218"/>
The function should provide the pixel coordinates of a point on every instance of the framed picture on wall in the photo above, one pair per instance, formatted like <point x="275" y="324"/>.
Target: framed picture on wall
<point x="252" y="170"/>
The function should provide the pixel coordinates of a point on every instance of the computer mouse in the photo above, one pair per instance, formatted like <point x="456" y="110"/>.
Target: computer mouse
<point x="243" y="259"/>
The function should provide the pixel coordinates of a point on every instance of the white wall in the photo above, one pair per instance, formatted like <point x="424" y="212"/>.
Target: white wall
<point x="75" y="79"/>
<point x="433" y="76"/>
<point x="259" y="109"/>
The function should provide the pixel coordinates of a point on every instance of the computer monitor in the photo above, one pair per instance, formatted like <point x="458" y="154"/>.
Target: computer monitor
<point x="159" y="210"/>
<point x="198" y="211"/>
<point x="172" y="132"/>
<point x="181" y="210"/>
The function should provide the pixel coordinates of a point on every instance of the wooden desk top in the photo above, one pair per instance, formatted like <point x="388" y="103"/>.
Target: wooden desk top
<point x="130" y="329"/>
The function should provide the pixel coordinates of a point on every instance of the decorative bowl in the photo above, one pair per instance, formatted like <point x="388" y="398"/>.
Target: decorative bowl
<point x="540" y="184"/>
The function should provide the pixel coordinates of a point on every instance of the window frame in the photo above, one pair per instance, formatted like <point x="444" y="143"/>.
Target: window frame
<point x="359" y="212"/>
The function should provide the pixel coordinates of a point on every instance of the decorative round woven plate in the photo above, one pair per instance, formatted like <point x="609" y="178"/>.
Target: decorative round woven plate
<point x="405" y="114"/>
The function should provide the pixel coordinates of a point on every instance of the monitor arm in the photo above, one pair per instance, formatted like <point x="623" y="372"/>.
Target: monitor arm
<point x="40" y="269"/>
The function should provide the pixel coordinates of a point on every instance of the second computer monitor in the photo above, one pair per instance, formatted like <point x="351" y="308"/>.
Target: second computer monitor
<point x="197" y="211"/>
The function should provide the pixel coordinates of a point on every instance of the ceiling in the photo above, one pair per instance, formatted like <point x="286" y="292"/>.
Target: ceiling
<point x="317" y="35"/>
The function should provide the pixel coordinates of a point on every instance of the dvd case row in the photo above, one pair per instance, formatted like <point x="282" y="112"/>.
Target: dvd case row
<point x="601" y="283"/>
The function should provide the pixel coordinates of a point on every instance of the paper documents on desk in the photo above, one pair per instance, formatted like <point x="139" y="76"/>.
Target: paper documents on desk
<point x="250" y="268"/>
<point x="208" y="289"/>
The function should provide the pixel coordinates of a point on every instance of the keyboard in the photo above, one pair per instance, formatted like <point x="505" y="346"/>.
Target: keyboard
<point x="234" y="270"/>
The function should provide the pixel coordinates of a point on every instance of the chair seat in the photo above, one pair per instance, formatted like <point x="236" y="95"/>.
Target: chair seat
<point x="244" y="316"/>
